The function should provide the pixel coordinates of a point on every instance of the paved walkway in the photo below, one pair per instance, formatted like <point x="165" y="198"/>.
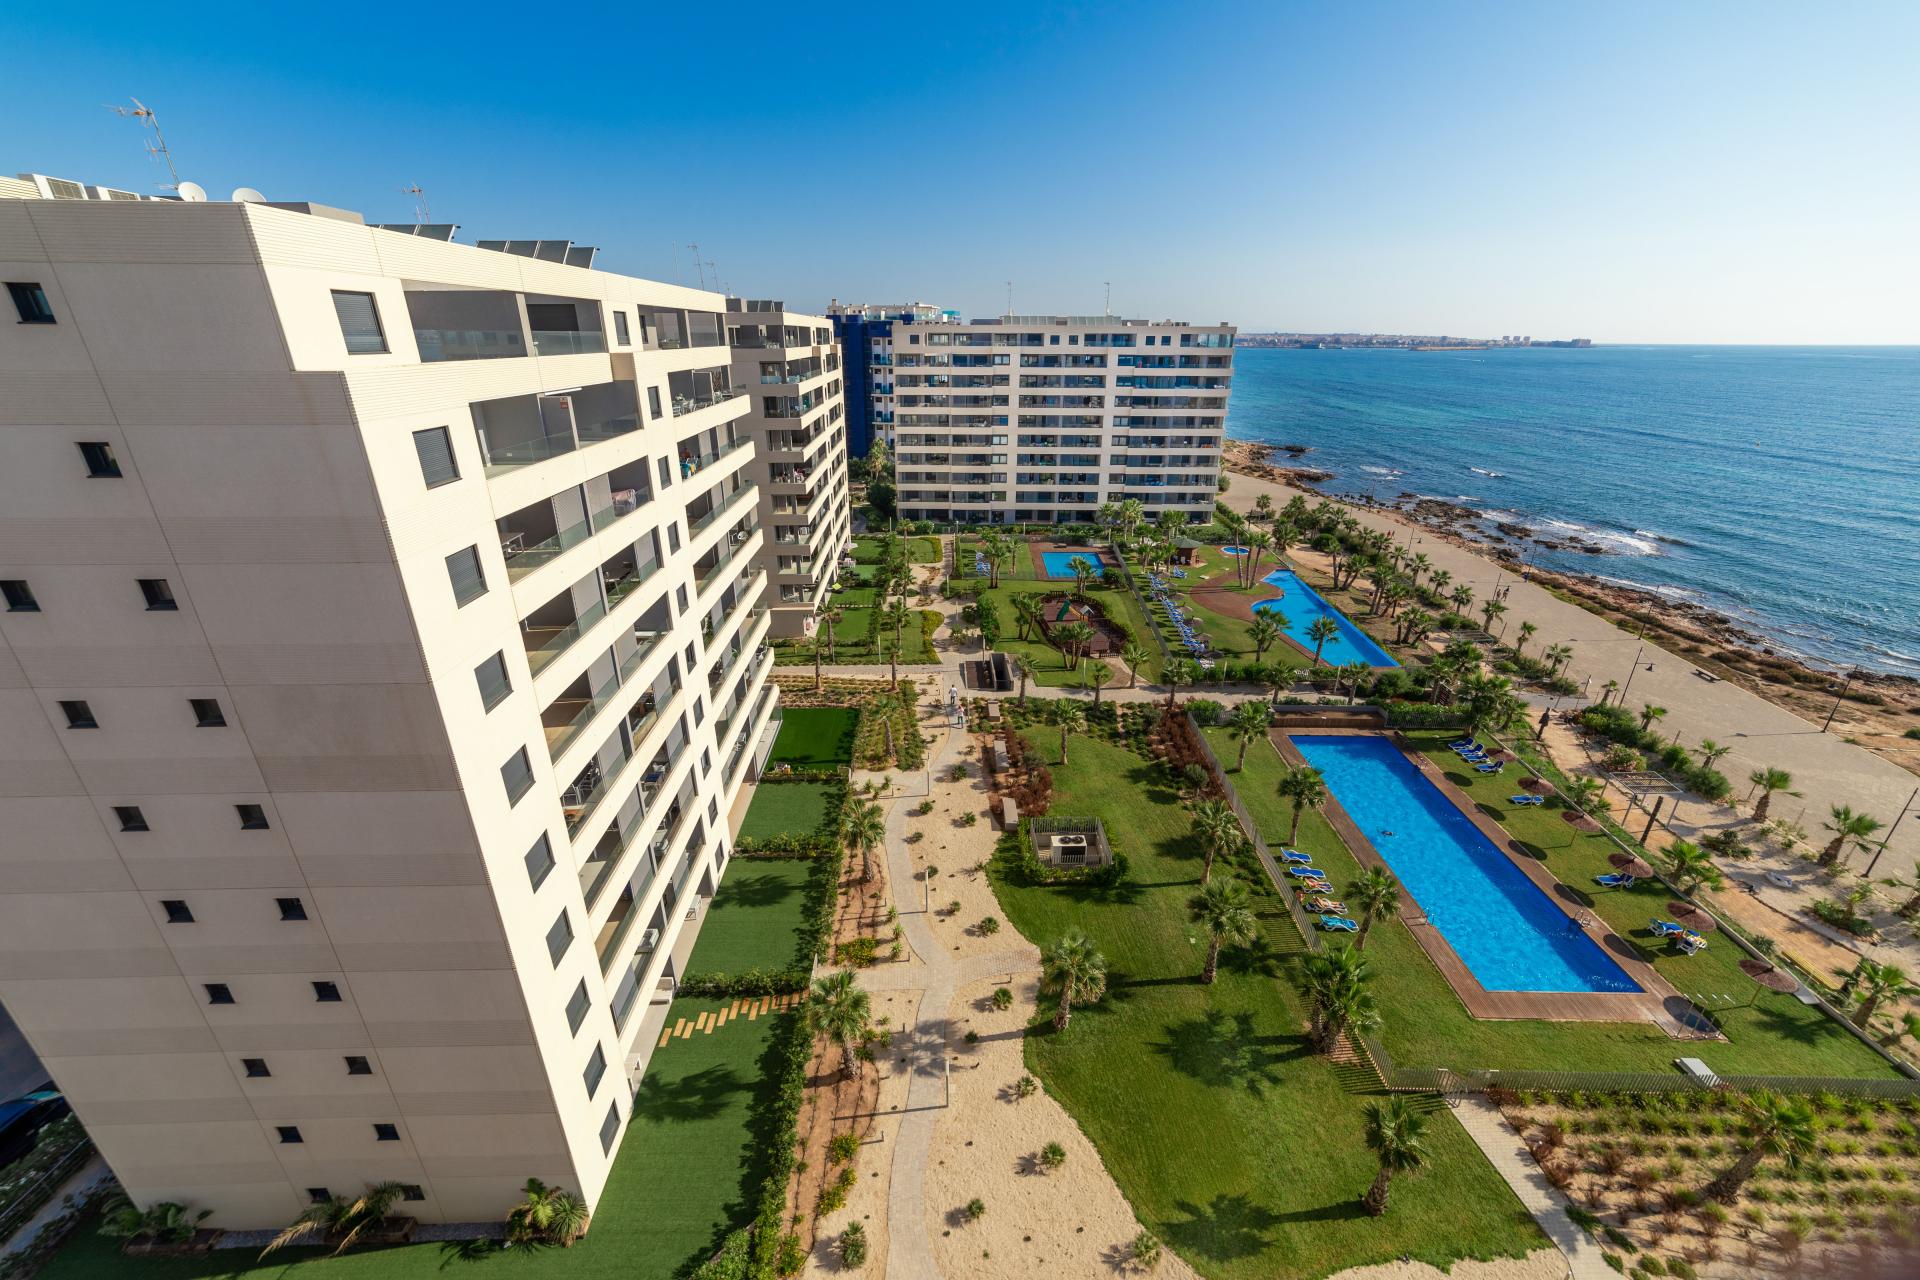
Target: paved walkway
<point x="1511" y="1159"/>
<point x="87" y="1176"/>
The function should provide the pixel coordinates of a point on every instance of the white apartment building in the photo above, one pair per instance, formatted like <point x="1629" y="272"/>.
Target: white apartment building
<point x="789" y="366"/>
<point x="1042" y="419"/>
<point x="374" y="685"/>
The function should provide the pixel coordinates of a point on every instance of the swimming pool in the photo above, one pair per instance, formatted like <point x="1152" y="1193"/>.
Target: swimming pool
<point x="1235" y="550"/>
<point x="1510" y="934"/>
<point x="1058" y="563"/>
<point x="1300" y="604"/>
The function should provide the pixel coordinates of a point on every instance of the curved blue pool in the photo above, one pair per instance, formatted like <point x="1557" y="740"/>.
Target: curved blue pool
<point x="1060" y="563"/>
<point x="1505" y="928"/>
<point x="1300" y="604"/>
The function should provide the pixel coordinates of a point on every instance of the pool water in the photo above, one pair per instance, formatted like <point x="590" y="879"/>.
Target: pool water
<point x="1059" y="566"/>
<point x="1300" y="604"/>
<point x="1510" y="934"/>
<point x="1234" y="550"/>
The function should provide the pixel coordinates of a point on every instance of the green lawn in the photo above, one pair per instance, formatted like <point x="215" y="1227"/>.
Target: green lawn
<point x="923" y="551"/>
<point x="1238" y="1147"/>
<point x="1767" y="1034"/>
<point x="815" y="737"/>
<point x="754" y="921"/>
<point x="1047" y="664"/>
<point x="796" y="807"/>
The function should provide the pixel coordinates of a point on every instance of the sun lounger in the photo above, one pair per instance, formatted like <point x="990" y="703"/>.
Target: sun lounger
<point x="1306" y="872"/>
<point x="1294" y="855"/>
<point x="1488" y="768"/>
<point x="1458" y="743"/>
<point x="1328" y="905"/>
<point x="1338" y="924"/>
<point x="1526" y="799"/>
<point x="1615" y="880"/>
<point x="1691" y="944"/>
<point x="1667" y="929"/>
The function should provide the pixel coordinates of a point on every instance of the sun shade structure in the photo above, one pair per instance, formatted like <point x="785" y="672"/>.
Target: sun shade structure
<point x="1692" y="917"/>
<point x="1631" y="864"/>
<point x="1769" y="976"/>
<point x="1579" y="821"/>
<point x="1538" y="786"/>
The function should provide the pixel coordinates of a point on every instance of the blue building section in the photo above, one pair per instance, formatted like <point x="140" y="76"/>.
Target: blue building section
<point x="856" y="334"/>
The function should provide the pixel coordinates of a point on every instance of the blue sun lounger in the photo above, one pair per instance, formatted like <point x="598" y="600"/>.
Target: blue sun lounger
<point x="1526" y="799"/>
<point x="1488" y="767"/>
<point x="1615" y="880"/>
<point x="1667" y="929"/>
<point x="1306" y="873"/>
<point x="1338" y="924"/>
<point x="1297" y="857"/>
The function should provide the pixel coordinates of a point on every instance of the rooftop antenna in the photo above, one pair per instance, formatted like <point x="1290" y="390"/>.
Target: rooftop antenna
<point x="1009" y="297"/>
<point x="1109" y="302"/>
<point x="422" y="215"/>
<point x="716" y="276"/>
<point x="698" y="265"/>
<point x="149" y="119"/>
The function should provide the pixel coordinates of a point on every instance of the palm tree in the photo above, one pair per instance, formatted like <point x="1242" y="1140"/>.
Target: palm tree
<point x="1558" y="655"/>
<point x="1249" y="721"/>
<point x="1772" y="1126"/>
<point x="1353" y="673"/>
<point x="1027" y="609"/>
<point x="1648" y="714"/>
<point x="1376" y="895"/>
<point x="341" y="1218"/>
<point x="1222" y="909"/>
<point x="165" y="1222"/>
<point x="1074" y="968"/>
<point x="1394" y="1131"/>
<point x="1527" y="631"/>
<point x="1335" y="981"/>
<point x="547" y="1215"/>
<point x="1072" y="718"/>
<point x="996" y="546"/>
<point x="1073" y="638"/>
<point x="1304" y="787"/>
<point x="1689" y="867"/>
<point x="1767" y="781"/>
<point x="1846" y="825"/>
<point x="1874" y="984"/>
<point x="1264" y="633"/>
<point x="840" y="1011"/>
<point x="1098" y="675"/>
<point x="1216" y="826"/>
<point x="1257" y="543"/>
<point x="1911" y="907"/>
<point x="1461" y="599"/>
<point x="1082" y="574"/>
<point x="1711" y="753"/>
<point x="1607" y="691"/>
<point x="1278" y="678"/>
<point x="1417" y="565"/>
<point x="1490" y="702"/>
<point x="1490" y="610"/>
<point x="1020" y="668"/>
<point x="1178" y="672"/>
<point x="863" y="827"/>
<point x="813" y="648"/>
<point x="895" y="615"/>
<point x="830" y="615"/>
<point x="1587" y="795"/>
<point x="1108" y="517"/>
<point x="1321" y="630"/>
<point x="1135" y="655"/>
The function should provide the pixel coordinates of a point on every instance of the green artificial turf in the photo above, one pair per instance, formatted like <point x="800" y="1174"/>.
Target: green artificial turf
<point x="1237" y="1146"/>
<point x="796" y="808"/>
<point x="754" y="921"/>
<point x="815" y="737"/>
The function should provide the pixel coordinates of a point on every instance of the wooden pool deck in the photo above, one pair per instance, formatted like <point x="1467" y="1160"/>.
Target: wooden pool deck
<point x="1656" y="1001"/>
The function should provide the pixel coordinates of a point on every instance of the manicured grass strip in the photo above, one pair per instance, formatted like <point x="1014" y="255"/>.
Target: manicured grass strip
<point x="754" y="921"/>
<point x="1767" y="1034"/>
<point x="815" y="737"/>
<point x="796" y="808"/>
<point x="1238" y="1147"/>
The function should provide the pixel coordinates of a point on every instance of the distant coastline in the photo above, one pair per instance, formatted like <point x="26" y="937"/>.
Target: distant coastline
<point x="1399" y="342"/>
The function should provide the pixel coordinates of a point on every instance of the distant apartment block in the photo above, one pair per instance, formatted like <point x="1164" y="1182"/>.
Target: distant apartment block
<point x="381" y="652"/>
<point x="1042" y="419"/>
<point x="865" y="331"/>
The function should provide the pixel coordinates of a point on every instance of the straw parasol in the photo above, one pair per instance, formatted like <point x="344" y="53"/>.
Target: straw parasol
<point x="1579" y="821"/>
<point x="1538" y="786"/>
<point x="1691" y="916"/>
<point x="1770" y="976"/>
<point x="1631" y="864"/>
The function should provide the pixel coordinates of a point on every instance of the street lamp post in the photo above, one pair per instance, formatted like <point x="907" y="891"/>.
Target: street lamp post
<point x="1631" y="672"/>
<point x="1875" y="860"/>
<point x="1838" y="699"/>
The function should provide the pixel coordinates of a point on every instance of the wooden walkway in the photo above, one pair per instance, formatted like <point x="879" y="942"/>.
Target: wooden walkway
<point x="748" y="1007"/>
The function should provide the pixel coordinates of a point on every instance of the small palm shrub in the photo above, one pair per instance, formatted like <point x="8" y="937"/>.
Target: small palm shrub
<point x="853" y="1245"/>
<point x="1002" y="999"/>
<point x="1052" y="1156"/>
<point x="975" y="1208"/>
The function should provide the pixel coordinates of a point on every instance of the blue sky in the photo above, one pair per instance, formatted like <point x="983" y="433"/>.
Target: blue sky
<point x="1729" y="173"/>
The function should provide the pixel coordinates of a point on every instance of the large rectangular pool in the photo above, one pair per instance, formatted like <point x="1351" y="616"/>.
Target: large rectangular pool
<point x="1060" y="563"/>
<point x="1510" y="934"/>
<point x="1300" y="604"/>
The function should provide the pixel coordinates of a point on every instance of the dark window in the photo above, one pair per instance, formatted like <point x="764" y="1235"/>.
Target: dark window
<point x="706" y="759"/>
<point x="289" y="1133"/>
<point x="386" y="1133"/>
<point x="30" y="300"/>
<point x="207" y="713"/>
<point x="358" y="1066"/>
<point x="596" y="1069"/>
<point x="319" y="1195"/>
<point x="559" y="938"/>
<point x="256" y="1068"/>
<point x="680" y="596"/>
<point x="359" y="322"/>
<point x="177" y="911"/>
<point x="253" y="817"/>
<point x="326" y="992"/>
<point x="412" y="1191"/>
<point x="620" y="332"/>
<point x="517" y="776"/>
<point x="219" y="993"/>
<point x="577" y="1007"/>
<point x="79" y="714"/>
<point x="131" y="819"/>
<point x="159" y="595"/>
<point x="539" y="861"/>
<point x="665" y="471"/>
<point x="653" y="403"/>
<point x="468" y="578"/>
<point x="610" y="1128"/>
<point x="673" y="536"/>
<point x="292" y="908"/>
<point x="435" y="448"/>
<point x="100" y="459"/>
<point x="493" y="680"/>
<point x="19" y="596"/>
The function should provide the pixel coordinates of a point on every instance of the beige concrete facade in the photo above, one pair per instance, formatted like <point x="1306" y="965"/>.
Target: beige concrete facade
<point x="1044" y="419"/>
<point x="789" y="365"/>
<point x="365" y="859"/>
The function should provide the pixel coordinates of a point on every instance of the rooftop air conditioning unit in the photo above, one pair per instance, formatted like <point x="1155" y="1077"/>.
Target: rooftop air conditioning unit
<point x="113" y="193"/>
<point x="1070" y="840"/>
<point x="55" y="188"/>
<point x="650" y="939"/>
<point x="741" y="535"/>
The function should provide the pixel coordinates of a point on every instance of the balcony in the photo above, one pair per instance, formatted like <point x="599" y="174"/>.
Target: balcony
<point x="524" y="554"/>
<point x="568" y="342"/>
<point x="546" y="637"/>
<point x="732" y="503"/>
<point x="569" y="715"/>
<point x="692" y="465"/>
<point x="518" y="431"/>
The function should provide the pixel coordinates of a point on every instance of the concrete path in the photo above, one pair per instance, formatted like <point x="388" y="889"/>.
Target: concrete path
<point x="83" y="1179"/>
<point x="1510" y="1158"/>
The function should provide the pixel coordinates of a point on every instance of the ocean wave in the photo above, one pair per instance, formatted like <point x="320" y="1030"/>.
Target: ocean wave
<point x="1657" y="536"/>
<point x="1383" y="471"/>
<point x="1491" y="475"/>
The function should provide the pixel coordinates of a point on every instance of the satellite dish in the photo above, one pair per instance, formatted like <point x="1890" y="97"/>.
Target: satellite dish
<point x="192" y="192"/>
<point x="247" y="195"/>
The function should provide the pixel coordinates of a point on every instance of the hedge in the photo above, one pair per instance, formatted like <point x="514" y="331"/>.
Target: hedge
<point x="753" y="982"/>
<point x="1617" y="724"/>
<point x="1025" y="868"/>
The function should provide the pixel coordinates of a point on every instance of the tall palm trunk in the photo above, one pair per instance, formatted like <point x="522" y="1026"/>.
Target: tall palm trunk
<point x="1726" y="1187"/>
<point x="1760" y="810"/>
<point x="1376" y="1197"/>
<point x="1831" y="854"/>
<point x="1293" y="832"/>
<point x="1213" y="962"/>
<point x="1064" y="1014"/>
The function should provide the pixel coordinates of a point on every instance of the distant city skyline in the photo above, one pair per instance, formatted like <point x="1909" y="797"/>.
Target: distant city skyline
<point x="1716" y="174"/>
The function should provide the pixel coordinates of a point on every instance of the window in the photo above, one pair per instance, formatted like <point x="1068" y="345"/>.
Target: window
<point x="665" y="472"/>
<point x="706" y="759"/>
<point x="494" y="683"/>
<point x="621" y="334"/>
<point x="578" y="1007"/>
<point x="464" y="571"/>
<point x="100" y="460"/>
<point x="79" y="714"/>
<point x="559" y="938"/>
<point x="435" y="449"/>
<point x="326" y="992"/>
<point x="292" y="908"/>
<point x="30" y="300"/>
<point x="539" y="861"/>
<point x="256" y="1068"/>
<point x="253" y="817"/>
<point x="289" y="1133"/>
<point x="207" y="713"/>
<point x="596" y="1069"/>
<point x="673" y="536"/>
<point x="610" y="1128"/>
<point x="358" y="1066"/>
<point x="517" y="776"/>
<point x="653" y="403"/>
<point x="386" y="1133"/>
<point x="131" y="819"/>
<point x="359" y="323"/>
<point x="412" y="1191"/>
<point x="219" y="993"/>
<point x="19" y="596"/>
<point x="177" y="911"/>
<point x="680" y="595"/>
<point x="159" y="595"/>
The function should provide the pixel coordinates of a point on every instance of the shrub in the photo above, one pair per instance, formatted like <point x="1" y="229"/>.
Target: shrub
<point x="843" y="1147"/>
<point x="1002" y="999"/>
<point x="859" y="953"/>
<point x="987" y="927"/>
<point x="792" y="1257"/>
<point x="753" y="982"/>
<point x="975" y="1208"/>
<point x="1052" y="1156"/>
<point x="853" y="1245"/>
<point x="1145" y="1249"/>
<point x="1024" y="1087"/>
<point x="1614" y="1261"/>
<point x="731" y="1262"/>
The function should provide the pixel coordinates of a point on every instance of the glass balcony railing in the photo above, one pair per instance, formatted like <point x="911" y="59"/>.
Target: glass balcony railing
<point x="733" y="502"/>
<point x="692" y="466"/>
<point x="683" y="405"/>
<point x="724" y="565"/>
<point x="567" y="342"/>
<point x="606" y="429"/>
<point x="468" y="344"/>
<point x="555" y="641"/>
<point x="585" y="710"/>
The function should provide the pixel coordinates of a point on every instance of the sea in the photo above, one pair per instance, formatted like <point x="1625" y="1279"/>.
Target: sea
<point x="1777" y="485"/>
